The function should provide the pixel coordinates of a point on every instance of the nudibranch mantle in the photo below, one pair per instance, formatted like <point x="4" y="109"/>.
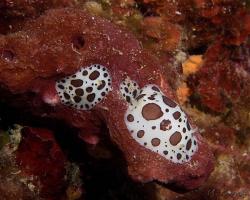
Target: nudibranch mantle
<point x="158" y="123"/>
<point x="129" y="90"/>
<point x="86" y="88"/>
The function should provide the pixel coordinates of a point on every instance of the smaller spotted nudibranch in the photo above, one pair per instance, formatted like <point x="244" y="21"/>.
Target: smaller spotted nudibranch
<point x="158" y="123"/>
<point x="84" y="89"/>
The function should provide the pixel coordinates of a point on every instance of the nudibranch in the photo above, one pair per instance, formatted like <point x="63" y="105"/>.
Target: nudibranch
<point x="159" y="124"/>
<point x="129" y="90"/>
<point x="84" y="89"/>
<point x="154" y="121"/>
<point x="87" y="71"/>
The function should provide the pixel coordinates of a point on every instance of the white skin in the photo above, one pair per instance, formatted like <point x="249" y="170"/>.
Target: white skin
<point x="86" y="88"/>
<point x="160" y="127"/>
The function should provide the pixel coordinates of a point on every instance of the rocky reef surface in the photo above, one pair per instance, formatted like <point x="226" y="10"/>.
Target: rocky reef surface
<point x="194" y="52"/>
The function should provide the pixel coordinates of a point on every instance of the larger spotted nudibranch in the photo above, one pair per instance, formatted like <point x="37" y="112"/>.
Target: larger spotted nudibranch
<point x="84" y="89"/>
<point x="129" y="90"/>
<point x="158" y="123"/>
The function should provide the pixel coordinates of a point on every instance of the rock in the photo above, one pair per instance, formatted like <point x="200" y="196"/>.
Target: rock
<point x="40" y="157"/>
<point x="57" y="48"/>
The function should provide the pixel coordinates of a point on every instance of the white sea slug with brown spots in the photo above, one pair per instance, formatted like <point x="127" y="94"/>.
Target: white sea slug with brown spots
<point x="84" y="89"/>
<point x="158" y="123"/>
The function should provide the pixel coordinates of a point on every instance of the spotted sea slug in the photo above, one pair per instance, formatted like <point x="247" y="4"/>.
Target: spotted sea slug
<point x="159" y="124"/>
<point x="84" y="89"/>
<point x="86" y="71"/>
<point x="153" y="120"/>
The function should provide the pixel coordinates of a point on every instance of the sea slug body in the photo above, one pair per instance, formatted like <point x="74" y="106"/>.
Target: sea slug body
<point x="84" y="89"/>
<point x="159" y="124"/>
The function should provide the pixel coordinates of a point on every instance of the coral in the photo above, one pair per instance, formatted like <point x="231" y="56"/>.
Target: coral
<point x="15" y="13"/>
<point x="207" y="21"/>
<point x="166" y="34"/>
<point x="183" y="93"/>
<point x="229" y="180"/>
<point x="35" y="63"/>
<point x="32" y="165"/>
<point x="215" y="90"/>
<point x="40" y="156"/>
<point x="203" y="21"/>
<point x="23" y="8"/>
<point x="192" y="64"/>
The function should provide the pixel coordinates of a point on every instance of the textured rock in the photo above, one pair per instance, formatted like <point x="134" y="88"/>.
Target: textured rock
<point x="23" y="8"/>
<point x="15" y="13"/>
<point x="223" y="80"/>
<point x="33" y="166"/>
<point x="39" y="155"/>
<point x="56" y="46"/>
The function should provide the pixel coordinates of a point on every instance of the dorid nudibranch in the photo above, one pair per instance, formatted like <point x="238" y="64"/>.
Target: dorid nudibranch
<point x="158" y="123"/>
<point x="129" y="90"/>
<point x="84" y="89"/>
